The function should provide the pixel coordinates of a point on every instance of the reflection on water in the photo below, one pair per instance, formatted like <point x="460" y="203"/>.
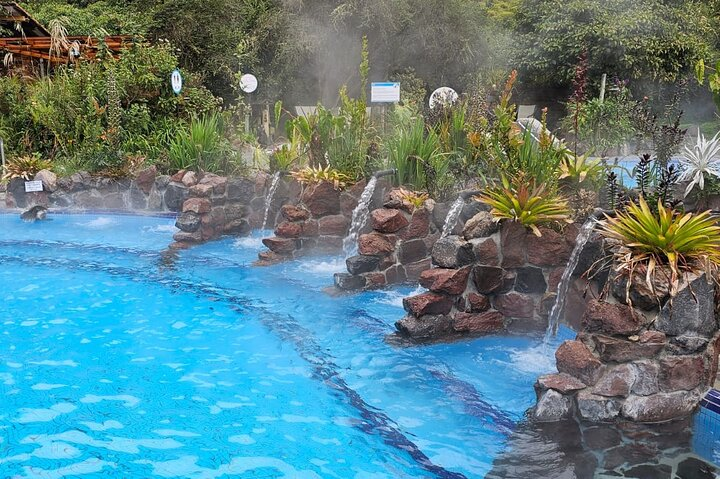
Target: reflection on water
<point x="573" y="450"/>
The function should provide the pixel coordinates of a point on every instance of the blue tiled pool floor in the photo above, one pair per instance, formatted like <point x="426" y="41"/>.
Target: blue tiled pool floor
<point x="119" y="361"/>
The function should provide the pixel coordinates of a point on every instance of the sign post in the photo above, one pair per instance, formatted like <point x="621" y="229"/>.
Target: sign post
<point x="248" y="84"/>
<point x="384" y="92"/>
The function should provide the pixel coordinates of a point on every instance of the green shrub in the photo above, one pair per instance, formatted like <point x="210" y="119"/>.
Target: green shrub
<point x="201" y="147"/>
<point x="417" y="155"/>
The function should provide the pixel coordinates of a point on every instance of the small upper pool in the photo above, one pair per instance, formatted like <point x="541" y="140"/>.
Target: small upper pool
<point x="120" y="361"/>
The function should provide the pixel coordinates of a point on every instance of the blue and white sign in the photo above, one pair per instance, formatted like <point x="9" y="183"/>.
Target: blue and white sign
<point x="387" y="92"/>
<point x="176" y="81"/>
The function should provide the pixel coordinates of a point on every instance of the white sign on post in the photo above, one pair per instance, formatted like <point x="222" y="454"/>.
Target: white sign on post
<point x="248" y="83"/>
<point x="33" y="186"/>
<point x="385" y="92"/>
<point x="176" y="81"/>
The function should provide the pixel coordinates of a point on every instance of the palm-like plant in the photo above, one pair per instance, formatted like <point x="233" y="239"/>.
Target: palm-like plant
<point x="700" y="161"/>
<point x="682" y="242"/>
<point x="525" y="203"/>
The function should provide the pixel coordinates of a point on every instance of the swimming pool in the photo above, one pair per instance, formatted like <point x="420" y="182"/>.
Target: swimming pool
<point x="120" y="361"/>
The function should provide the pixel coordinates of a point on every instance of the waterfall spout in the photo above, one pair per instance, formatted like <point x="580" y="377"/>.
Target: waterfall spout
<point x="271" y="193"/>
<point x="380" y="174"/>
<point x="557" y="309"/>
<point x="359" y="217"/>
<point x="453" y="216"/>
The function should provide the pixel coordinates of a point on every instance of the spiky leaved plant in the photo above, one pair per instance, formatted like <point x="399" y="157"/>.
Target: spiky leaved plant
<point x="648" y="239"/>
<point x="700" y="162"/>
<point x="522" y="201"/>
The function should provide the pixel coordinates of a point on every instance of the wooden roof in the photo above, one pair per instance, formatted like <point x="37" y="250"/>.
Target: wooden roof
<point x="39" y="47"/>
<point x="15" y="18"/>
<point x="33" y="41"/>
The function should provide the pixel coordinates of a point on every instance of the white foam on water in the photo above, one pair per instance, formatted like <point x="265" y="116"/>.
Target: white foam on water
<point x="323" y="268"/>
<point x="168" y="228"/>
<point x="99" y="223"/>
<point x="395" y="298"/>
<point x="535" y="360"/>
<point x="248" y="242"/>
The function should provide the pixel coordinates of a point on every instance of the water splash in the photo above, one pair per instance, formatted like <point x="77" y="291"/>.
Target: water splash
<point x="359" y="218"/>
<point x="271" y="193"/>
<point x="101" y="222"/>
<point x="322" y="267"/>
<point x="453" y="216"/>
<point x="557" y="309"/>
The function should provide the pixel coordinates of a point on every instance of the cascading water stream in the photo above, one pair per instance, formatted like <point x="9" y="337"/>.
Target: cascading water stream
<point x="557" y="309"/>
<point x="271" y="193"/>
<point x="453" y="216"/>
<point x="359" y="218"/>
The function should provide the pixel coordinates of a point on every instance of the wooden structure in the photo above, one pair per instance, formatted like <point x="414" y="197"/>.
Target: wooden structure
<point x="30" y="45"/>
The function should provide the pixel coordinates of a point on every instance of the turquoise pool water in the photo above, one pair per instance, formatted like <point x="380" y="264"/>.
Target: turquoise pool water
<point x="119" y="361"/>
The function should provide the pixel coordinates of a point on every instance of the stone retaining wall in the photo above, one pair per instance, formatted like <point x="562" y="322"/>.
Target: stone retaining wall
<point x="488" y="279"/>
<point x="316" y="220"/>
<point x="396" y="248"/>
<point x="649" y="362"/>
<point x="215" y="206"/>
<point x="148" y="191"/>
<point x="209" y="205"/>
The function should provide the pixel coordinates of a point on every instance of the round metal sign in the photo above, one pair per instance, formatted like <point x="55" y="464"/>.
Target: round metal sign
<point x="248" y="83"/>
<point x="443" y="96"/>
<point x="176" y="81"/>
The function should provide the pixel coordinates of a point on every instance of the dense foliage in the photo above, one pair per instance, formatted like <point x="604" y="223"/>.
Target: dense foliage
<point x="631" y="39"/>
<point x="95" y="115"/>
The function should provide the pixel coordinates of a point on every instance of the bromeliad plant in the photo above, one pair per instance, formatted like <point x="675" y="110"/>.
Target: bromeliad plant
<point x="415" y="198"/>
<point x="662" y="240"/>
<point x="312" y="175"/>
<point x="526" y="203"/>
<point x="25" y="167"/>
<point x="580" y="171"/>
<point x="701" y="162"/>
